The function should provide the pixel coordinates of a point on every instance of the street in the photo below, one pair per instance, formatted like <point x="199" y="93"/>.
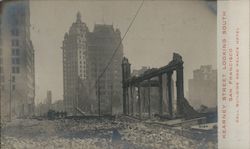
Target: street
<point x="93" y="134"/>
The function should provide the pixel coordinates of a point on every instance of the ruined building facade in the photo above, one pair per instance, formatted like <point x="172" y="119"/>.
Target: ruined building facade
<point x="16" y="61"/>
<point x="85" y="56"/>
<point x="203" y="87"/>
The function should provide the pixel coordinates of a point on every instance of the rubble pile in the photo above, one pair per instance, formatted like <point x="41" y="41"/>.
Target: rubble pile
<point x="159" y="138"/>
<point x="54" y="143"/>
<point x="94" y="134"/>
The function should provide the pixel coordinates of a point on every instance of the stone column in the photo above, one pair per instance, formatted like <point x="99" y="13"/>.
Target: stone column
<point x="169" y="89"/>
<point x="180" y="89"/>
<point x="144" y="100"/>
<point x="124" y="90"/>
<point x="132" y="99"/>
<point x="139" y="100"/>
<point x="124" y="101"/>
<point x="160" y="95"/>
<point x="149" y="99"/>
<point x="128" y="100"/>
<point x="126" y="71"/>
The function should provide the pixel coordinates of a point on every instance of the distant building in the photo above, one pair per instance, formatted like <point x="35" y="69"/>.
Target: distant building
<point x="137" y="72"/>
<point x="42" y="109"/>
<point x="203" y="87"/>
<point x="85" y="56"/>
<point x="58" y="106"/>
<point x="16" y="61"/>
<point x="49" y="97"/>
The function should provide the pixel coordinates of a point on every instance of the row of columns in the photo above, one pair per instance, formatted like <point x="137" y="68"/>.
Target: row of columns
<point x="129" y="91"/>
<point x="141" y="98"/>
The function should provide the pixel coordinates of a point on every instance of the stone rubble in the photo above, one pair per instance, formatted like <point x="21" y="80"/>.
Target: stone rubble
<point x="93" y="134"/>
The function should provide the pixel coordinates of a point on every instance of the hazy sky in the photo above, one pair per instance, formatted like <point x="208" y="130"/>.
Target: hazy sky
<point x="161" y="28"/>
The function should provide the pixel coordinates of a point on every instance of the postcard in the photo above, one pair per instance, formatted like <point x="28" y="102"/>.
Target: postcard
<point x="106" y="74"/>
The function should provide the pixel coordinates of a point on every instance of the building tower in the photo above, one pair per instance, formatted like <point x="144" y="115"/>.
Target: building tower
<point x="74" y="62"/>
<point x="49" y="97"/>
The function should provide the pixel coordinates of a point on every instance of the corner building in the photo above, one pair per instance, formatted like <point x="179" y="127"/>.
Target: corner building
<point x="16" y="61"/>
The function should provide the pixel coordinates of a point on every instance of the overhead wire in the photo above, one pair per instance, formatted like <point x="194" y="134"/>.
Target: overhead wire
<point x="118" y="47"/>
<point x="115" y="51"/>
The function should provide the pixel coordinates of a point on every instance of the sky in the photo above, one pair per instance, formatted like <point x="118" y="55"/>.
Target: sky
<point x="161" y="28"/>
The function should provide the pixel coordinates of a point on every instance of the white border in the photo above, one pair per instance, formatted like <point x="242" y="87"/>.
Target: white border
<point x="233" y="134"/>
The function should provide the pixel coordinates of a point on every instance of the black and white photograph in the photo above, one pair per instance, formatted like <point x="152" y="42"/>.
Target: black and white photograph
<point x="107" y="74"/>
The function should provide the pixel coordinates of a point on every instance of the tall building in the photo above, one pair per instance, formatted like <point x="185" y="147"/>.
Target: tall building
<point x="74" y="62"/>
<point x="85" y="56"/>
<point x="17" y="61"/>
<point x="102" y="43"/>
<point x="203" y="87"/>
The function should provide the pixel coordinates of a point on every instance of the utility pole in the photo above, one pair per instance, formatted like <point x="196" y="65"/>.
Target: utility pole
<point x="98" y="89"/>
<point x="78" y="93"/>
<point x="98" y="95"/>
<point x="10" y="96"/>
<point x="111" y="98"/>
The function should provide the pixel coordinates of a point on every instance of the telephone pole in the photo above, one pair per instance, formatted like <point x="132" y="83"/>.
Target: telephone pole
<point x="111" y="98"/>
<point x="10" y="102"/>
<point x="98" y="95"/>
